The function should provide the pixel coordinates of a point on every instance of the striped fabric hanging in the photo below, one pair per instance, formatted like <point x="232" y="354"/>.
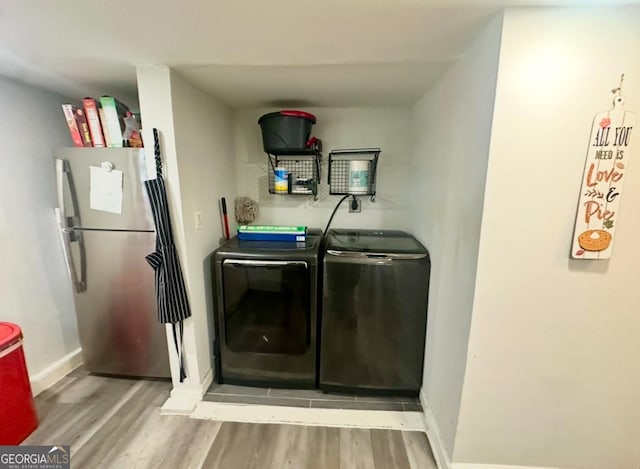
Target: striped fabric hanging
<point x="173" y="303"/>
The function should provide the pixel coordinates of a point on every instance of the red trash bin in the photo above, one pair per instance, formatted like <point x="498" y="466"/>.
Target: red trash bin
<point x="17" y="411"/>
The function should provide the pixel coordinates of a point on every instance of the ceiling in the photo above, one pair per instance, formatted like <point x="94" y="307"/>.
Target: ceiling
<point x="387" y="84"/>
<point x="247" y="52"/>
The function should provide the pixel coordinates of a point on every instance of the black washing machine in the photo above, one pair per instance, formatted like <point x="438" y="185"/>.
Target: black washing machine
<point x="266" y="296"/>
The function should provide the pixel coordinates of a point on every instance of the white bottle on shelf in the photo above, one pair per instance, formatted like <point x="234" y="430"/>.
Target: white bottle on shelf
<point x="358" y="177"/>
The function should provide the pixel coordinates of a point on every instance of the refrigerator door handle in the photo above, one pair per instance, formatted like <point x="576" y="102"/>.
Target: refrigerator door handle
<point x="63" y="240"/>
<point x="80" y="285"/>
<point x="67" y="236"/>
<point x="66" y="223"/>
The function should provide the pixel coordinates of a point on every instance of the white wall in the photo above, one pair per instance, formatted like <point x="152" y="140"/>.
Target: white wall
<point x="154" y="92"/>
<point x="386" y="128"/>
<point x="553" y="368"/>
<point x="204" y="143"/>
<point x="452" y="126"/>
<point x="34" y="287"/>
<point x="199" y="168"/>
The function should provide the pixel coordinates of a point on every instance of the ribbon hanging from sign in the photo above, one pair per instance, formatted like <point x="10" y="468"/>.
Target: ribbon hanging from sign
<point x="603" y="181"/>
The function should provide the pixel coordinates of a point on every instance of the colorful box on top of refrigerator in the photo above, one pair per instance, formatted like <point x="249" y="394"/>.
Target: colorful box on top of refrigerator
<point x="83" y="126"/>
<point x="93" y="118"/>
<point x="67" y="109"/>
<point x="114" y="113"/>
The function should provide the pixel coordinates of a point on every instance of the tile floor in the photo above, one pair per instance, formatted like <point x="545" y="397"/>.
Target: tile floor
<point x="307" y="398"/>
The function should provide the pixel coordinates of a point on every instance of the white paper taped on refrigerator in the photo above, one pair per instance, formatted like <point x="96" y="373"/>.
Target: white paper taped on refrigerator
<point x="105" y="189"/>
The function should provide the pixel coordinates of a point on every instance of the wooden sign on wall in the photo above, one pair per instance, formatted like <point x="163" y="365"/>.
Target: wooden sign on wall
<point x="603" y="180"/>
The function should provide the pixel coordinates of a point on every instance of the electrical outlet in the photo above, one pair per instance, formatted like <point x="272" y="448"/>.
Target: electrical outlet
<point x="197" y="219"/>
<point x="355" y="206"/>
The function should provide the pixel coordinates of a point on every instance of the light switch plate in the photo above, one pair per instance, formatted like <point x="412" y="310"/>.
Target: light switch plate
<point x="197" y="219"/>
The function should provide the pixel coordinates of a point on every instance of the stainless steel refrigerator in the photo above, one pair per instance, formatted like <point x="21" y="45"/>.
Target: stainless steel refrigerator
<point x="112" y="283"/>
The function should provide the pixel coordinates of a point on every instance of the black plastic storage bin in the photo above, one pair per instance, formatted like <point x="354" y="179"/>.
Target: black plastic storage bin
<point x="286" y="132"/>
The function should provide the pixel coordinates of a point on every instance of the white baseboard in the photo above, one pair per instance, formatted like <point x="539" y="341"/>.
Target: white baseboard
<point x="55" y="372"/>
<point x="181" y="402"/>
<point x="463" y="465"/>
<point x="183" y="399"/>
<point x="433" y="434"/>
<point x="206" y="382"/>
<point x="342" y="418"/>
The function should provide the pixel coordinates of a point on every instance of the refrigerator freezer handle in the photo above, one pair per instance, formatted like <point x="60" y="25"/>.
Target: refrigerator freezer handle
<point x="63" y="171"/>
<point x="62" y="213"/>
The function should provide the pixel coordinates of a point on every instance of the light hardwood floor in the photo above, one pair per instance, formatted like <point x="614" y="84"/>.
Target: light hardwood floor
<point x="116" y="423"/>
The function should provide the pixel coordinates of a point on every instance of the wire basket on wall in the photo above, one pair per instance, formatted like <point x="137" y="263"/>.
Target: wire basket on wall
<point x="302" y="174"/>
<point x="353" y="171"/>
